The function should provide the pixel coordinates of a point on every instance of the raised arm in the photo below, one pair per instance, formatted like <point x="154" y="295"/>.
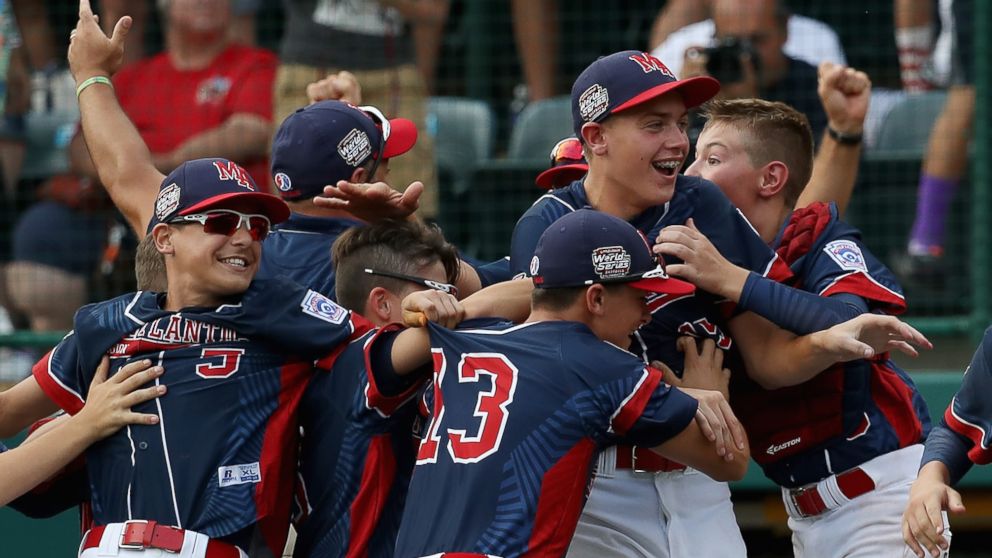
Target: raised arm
<point x="844" y="93"/>
<point x="121" y="158"/>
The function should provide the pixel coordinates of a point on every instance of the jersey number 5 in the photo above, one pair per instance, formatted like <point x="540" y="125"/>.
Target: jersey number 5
<point x="492" y="408"/>
<point x="222" y="363"/>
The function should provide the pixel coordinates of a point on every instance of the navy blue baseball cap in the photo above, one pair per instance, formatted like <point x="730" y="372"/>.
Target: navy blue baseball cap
<point x="626" y="79"/>
<point x="201" y="184"/>
<point x="588" y="246"/>
<point x="326" y="141"/>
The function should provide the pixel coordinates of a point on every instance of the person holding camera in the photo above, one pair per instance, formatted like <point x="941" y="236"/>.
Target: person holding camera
<point x="748" y="59"/>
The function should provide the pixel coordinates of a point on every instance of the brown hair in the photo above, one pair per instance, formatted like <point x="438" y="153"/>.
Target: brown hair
<point x="770" y="131"/>
<point x="149" y="266"/>
<point x="398" y="246"/>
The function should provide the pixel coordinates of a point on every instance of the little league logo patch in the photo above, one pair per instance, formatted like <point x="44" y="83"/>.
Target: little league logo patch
<point x="283" y="182"/>
<point x="847" y="255"/>
<point x="167" y="201"/>
<point x="323" y="308"/>
<point x="355" y="147"/>
<point x="610" y="261"/>
<point x="593" y="102"/>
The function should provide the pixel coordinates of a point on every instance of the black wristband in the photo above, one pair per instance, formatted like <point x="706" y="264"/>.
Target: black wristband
<point x="844" y="139"/>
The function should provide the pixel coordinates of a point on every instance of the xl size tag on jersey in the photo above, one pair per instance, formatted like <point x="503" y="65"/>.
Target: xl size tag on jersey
<point x="239" y="474"/>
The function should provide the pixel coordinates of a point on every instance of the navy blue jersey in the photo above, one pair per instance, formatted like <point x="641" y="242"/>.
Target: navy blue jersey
<point x="494" y="272"/>
<point x="851" y="412"/>
<point x="700" y="314"/>
<point x="520" y="413"/>
<point x="300" y="249"/>
<point x="223" y="454"/>
<point x="356" y="458"/>
<point x="970" y="413"/>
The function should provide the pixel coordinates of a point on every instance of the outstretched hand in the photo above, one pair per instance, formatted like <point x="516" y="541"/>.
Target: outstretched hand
<point x="870" y="334"/>
<point x="371" y="202"/>
<point x="108" y="404"/>
<point x="91" y="52"/>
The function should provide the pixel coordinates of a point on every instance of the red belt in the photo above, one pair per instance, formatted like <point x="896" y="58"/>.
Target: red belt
<point x="852" y="484"/>
<point x="139" y="535"/>
<point x="643" y="460"/>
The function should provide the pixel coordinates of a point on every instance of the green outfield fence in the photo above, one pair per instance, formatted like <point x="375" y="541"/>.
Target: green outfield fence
<point x="490" y="141"/>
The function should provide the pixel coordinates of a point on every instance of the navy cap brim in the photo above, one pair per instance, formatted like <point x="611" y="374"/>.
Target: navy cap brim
<point x="561" y="175"/>
<point x="266" y="204"/>
<point x="695" y="91"/>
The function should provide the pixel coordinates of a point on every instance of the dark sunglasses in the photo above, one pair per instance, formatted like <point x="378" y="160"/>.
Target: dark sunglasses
<point x="437" y="286"/>
<point x="227" y="222"/>
<point x="566" y="152"/>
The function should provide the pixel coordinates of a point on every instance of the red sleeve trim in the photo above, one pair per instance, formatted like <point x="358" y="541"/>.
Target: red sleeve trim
<point x="633" y="407"/>
<point x="374" y="399"/>
<point x="778" y="270"/>
<point x="979" y="454"/>
<point x="64" y="397"/>
<point x="862" y="284"/>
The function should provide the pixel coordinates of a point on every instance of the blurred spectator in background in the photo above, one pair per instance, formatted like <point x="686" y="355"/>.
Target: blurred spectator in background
<point x="555" y="41"/>
<point x="946" y="158"/>
<point x="203" y="97"/>
<point x="391" y="46"/>
<point x="241" y="30"/>
<point x="52" y="88"/>
<point x="687" y="23"/>
<point x="14" y="98"/>
<point x="749" y="60"/>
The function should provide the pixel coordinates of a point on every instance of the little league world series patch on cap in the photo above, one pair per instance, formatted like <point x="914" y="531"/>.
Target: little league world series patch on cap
<point x="626" y="79"/>
<point x="588" y="246"/>
<point x="325" y="142"/>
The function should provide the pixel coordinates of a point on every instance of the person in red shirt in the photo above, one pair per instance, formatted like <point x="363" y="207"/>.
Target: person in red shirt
<point x="204" y="96"/>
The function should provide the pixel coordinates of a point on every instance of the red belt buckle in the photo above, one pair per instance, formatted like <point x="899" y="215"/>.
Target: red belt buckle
<point x="852" y="484"/>
<point x="808" y="501"/>
<point x="139" y="534"/>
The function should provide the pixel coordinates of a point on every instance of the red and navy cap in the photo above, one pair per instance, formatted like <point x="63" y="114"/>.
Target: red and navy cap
<point x="567" y="165"/>
<point x="203" y="184"/>
<point x="326" y="141"/>
<point x="626" y="79"/>
<point x="588" y="246"/>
